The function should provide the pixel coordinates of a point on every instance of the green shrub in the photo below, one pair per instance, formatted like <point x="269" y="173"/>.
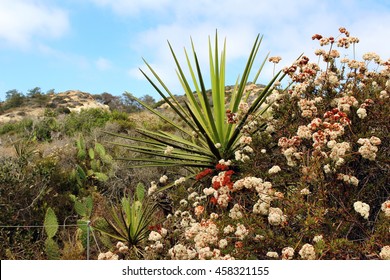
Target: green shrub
<point x="22" y="126"/>
<point x="85" y="121"/>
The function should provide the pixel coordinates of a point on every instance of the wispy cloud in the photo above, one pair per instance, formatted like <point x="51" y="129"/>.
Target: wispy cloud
<point x="22" y="21"/>
<point x="103" y="64"/>
<point x="131" y="7"/>
<point x="65" y="58"/>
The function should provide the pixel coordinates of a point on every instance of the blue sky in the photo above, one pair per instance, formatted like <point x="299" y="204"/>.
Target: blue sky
<point x="97" y="45"/>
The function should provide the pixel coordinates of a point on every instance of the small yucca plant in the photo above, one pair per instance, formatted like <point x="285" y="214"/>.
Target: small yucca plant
<point x="129" y="222"/>
<point x="208" y="135"/>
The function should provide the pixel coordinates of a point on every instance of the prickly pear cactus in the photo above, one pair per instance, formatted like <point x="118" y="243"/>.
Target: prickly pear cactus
<point x="51" y="227"/>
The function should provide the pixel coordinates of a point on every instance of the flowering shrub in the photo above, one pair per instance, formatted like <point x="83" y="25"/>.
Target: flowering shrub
<point x="312" y="185"/>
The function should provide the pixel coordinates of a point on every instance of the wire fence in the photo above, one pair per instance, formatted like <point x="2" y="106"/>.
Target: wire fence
<point x="87" y="224"/>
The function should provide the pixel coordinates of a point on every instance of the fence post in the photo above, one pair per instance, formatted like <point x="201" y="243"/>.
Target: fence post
<point x="88" y="229"/>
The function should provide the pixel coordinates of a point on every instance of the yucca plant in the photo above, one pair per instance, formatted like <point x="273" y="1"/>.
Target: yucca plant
<point x="207" y="135"/>
<point x="129" y="222"/>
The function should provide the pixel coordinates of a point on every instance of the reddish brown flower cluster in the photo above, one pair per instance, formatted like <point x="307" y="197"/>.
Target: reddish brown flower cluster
<point x="366" y="103"/>
<point x="213" y="200"/>
<point x="221" y="167"/>
<point x="203" y="174"/>
<point x="226" y="181"/>
<point x="316" y="37"/>
<point x="155" y="228"/>
<point x="290" y="70"/>
<point x="303" y="60"/>
<point x="335" y="115"/>
<point x="232" y="118"/>
<point x="344" y="31"/>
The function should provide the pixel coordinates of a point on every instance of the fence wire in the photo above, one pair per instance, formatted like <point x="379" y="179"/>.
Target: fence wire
<point x="88" y="224"/>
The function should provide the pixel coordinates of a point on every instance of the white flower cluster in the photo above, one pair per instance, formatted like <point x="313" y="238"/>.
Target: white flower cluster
<point x="122" y="248"/>
<point x="153" y="188"/>
<point x="235" y="213"/>
<point x="262" y="188"/>
<point x="307" y="252"/>
<point x="318" y="238"/>
<point x="261" y="207"/>
<point x="344" y="103"/>
<point x="298" y="89"/>
<point x="168" y="151"/>
<point x="273" y="97"/>
<point x="273" y="255"/>
<point x="243" y="107"/>
<point x="369" y="147"/>
<point x="304" y="132"/>
<point x="305" y="191"/>
<point x="241" y="232"/>
<point x="362" y="113"/>
<point x="193" y="196"/>
<point x="209" y="191"/>
<point x="274" y="169"/>
<point x="186" y="219"/>
<point x="287" y="253"/>
<point x="307" y="107"/>
<point x="163" y="179"/>
<point x="180" y="252"/>
<point x="338" y="151"/>
<point x="225" y="162"/>
<point x="204" y="233"/>
<point x="222" y="243"/>
<point x="385" y="207"/>
<point x="385" y="253"/>
<point x="180" y="181"/>
<point x="245" y="140"/>
<point x="289" y="149"/>
<point x="276" y="216"/>
<point x="348" y="179"/>
<point x="228" y="229"/>
<point x="372" y="56"/>
<point x="362" y="208"/>
<point x="108" y="256"/>
<point x="249" y="183"/>
<point x="154" y="236"/>
<point x="183" y="203"/>
<point x="383" y="94"/>
<point x="239" y="155"/>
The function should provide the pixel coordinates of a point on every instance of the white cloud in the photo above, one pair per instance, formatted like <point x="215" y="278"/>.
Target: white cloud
<point x="64" y="58"/>
<point x="21" y="21"/>
<point x="131" y="7"/>
<point x="103" y="64"/>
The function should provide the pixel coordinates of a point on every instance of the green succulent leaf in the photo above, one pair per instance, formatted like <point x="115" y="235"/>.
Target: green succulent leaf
<point x="50" y="223"/>
<point x="91" y="153"/>
<point x="100" y="150"/>
<point x="52" y="249"/>
<point x="100" y="176"/>
<point x="80" y="208"/>
<point x="140" y="192"/>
